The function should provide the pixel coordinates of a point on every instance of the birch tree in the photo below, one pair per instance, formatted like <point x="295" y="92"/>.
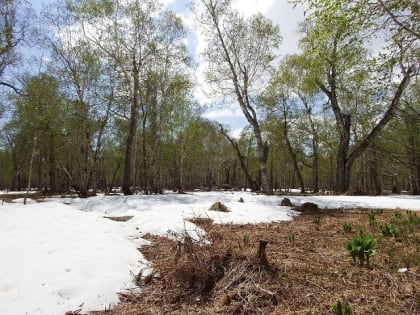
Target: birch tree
<point x="337" y="35"/>
<point x="239" y="55"/>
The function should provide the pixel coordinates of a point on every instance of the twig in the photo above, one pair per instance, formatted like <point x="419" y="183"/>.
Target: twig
<point x="318" y="286"/>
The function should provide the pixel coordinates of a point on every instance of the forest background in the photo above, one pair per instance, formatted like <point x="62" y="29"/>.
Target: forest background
<point x="110" y="99"/>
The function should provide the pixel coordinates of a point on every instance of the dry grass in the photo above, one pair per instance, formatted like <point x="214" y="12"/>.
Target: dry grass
<point x="309" y="269"/>
<point x="37" y="196"/>
<point x="218" y="206"/>
<point x="120" y="218"/>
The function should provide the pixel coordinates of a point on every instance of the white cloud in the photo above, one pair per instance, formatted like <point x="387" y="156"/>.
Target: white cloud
<point x="236" y="133"/>
<point x="224" y="113"/>
<point x="250" y="7"/>
<point x="166" y="3"/>
<point x="287" y="18"/>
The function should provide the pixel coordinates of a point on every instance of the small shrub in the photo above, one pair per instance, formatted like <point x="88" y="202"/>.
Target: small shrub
<point x="407" y="225"/>
<point x="291" y="238"/>
<point x="413" y="219"/>
<point x="317" y="220"/>
<point x="246" y="240"/>
<point x="347" y="227"/>
<point x="388" y="229"/>
<point x="372" y="219"/>
<point x="338" y="308"/>
<point x="360" y="247"/>
<point x="241" y="200"/>
<point x="398" y="215"/>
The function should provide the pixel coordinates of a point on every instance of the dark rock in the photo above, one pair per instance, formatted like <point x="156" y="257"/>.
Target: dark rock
<point x="286" y="203"/>
<point x="308" y="207"/>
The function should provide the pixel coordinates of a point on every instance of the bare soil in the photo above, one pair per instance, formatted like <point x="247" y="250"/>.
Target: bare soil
<point x="307" y="270"/>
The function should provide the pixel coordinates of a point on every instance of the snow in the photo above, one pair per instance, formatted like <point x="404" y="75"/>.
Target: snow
<point x="370" y="202"/>
<point x="53" y="259"/>
<point x="62" y="254"/>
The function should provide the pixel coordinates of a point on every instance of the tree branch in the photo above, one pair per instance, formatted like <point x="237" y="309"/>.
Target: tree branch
<point x="389" y="114"/>
<point x="11" y="86"/>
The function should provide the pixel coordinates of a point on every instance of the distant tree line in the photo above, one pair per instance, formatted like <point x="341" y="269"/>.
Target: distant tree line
<point x="112" y="105"/>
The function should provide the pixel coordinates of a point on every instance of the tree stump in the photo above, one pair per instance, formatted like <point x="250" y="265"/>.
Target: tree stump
<point x="262" y="256"/>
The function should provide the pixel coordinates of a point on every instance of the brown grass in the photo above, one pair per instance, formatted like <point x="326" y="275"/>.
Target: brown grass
<point x="218" y="206"/>
<point x="120" y="218"/>
<point x="309" y="269"/>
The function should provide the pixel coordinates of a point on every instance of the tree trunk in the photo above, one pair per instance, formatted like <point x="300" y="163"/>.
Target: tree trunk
<point x="114" y="175"/>
<point x="51" y="171"/>
<point x="263" y="150"/>
<point x="132" y="131"/>
<point x="294" y="161"/>
<point x="181" y="179"/>
<point x="31" y="161"/>
<point x="261" y="254"/>
<point x="413" y="153"/>
<point x="315" y="144"/>
<point x="415" y="179"/>
<point x="343" y="165"/>
<point x="376" y="182"/>
<point x="315" y="172"/>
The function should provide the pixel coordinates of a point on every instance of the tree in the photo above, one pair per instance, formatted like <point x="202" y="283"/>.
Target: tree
<point x="144" y="46"/>
<point x="165" y="94"/>
<point x="336" y="36"/>
<point x="239" y="55"/>
<point x="36" y="129"/>
<point x="242" y="159"/>
<point x="296" y="96"/>
<point x="399" y="145"/>
<point x="90" y="88"/>
<point x="14" y="25"/>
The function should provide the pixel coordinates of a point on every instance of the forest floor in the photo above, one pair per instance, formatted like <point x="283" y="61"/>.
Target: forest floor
<point x="306" y="271"/>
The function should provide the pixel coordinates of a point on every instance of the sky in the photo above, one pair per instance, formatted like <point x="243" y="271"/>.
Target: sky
<point x="281" y="12"/>
<point x="63" y="254"/>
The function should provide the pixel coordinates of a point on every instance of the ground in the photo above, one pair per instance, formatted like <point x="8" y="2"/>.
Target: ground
<point x="307" y="270"/>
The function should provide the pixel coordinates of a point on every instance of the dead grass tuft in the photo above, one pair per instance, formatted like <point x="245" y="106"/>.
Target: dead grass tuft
<point x="218" y="206"/>
<point x="120" y="219"/>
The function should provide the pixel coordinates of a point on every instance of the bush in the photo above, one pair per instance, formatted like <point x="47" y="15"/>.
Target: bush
<point x="360" y="247"/>
<point x="291" y="238"/>
<point x="347" y="227"/>
<point x="387" y="229"/>
<point x="413" y="219"/>
<point x="398" y="215"/>
<point x="372" y="219"/>
<point x="317" y="220"/>
<point x="338" y="309"/>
